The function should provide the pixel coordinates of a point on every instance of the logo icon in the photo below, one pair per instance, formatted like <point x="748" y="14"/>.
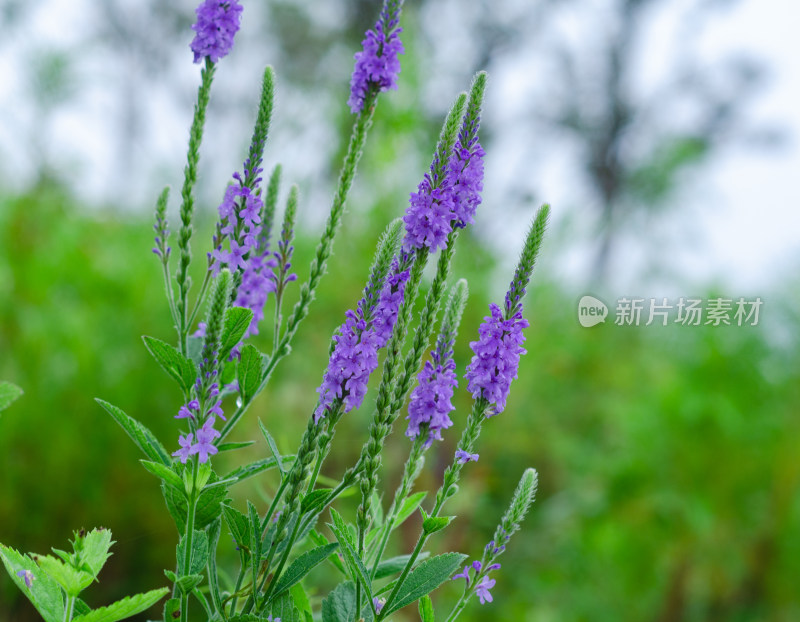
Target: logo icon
<point x="591" y="311"/>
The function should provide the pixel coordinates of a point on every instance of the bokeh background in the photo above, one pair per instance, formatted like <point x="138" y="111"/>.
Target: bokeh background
<point x="664" y="133"/>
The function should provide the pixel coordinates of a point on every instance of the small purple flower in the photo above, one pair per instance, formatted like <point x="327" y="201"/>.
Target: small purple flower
<point x="482" y="589"/>
<point x="187" y="410"/>
<point x="204" y="447"/>
<point x="186" y="447"/>
<point x="217" y="23"/>
<point x="377" y="64"/>
<point x="378" y="603"/>
<point x="27" y="576"/>
<point x="476" y="566"/>
<point x="216" y="410"/>
<point x="463" y="575"/>
<point x="463" y="457"/>
<point x="496" y="360"/>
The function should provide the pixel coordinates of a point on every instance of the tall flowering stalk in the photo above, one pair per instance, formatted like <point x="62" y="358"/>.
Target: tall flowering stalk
<point x="244" y="268"/>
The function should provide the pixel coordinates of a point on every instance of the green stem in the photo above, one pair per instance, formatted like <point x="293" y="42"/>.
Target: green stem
<point x="69" y="608"/>
<point x="417" y="550"/>
<point x="238" y="586"/>
<point x="187" y="554"/>
<point x="170" y="296"/>
<point x="410" y="472"/>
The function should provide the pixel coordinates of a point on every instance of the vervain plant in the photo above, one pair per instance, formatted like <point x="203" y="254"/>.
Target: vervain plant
<point x="218" y="370"/>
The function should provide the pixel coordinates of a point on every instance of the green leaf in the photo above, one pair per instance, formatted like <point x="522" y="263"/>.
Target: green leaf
<point x="255" y="537"/>
<point x="199" y="553"/>
<point x="237" y="319"/>
<point x="232" y="446"/>
<point x="302" y="602"/>
<point x="432" y="524"/>
<point x="194" y="348"/>
<point x="239" y="526"/>
<point x="259" y="466"/>
<point x="273" y="447"/>
<point x="348" y="549"/>
<point x="425" y="578"/>
<point x="314" y="500"/>
<point x="165" y="473"/>
<point x="303" y="565"/>
<point x="394" y="565"/>
<point x="228" y="374"/>
<point x="125" y="608"/>
<point x="209" y="504"/>
<point x="144" y="438"/>
<point x="92" y="549"/>
<point x="172" y="609"/>
<point x="213" y="577"/>
<point x="426" y="609"/>
<point x="181" y="368"/>
<point x="44" y="593"/>
<point x="73" y="581"/>
<point x="283" y="608"/>
<point x="340" y="604"/>
<point x="8" y="393"/>
<point x="249" y="372"/>
<point x="318" y="539"/>
<point x="409" y="506"/>
<point x="188" y="582"/>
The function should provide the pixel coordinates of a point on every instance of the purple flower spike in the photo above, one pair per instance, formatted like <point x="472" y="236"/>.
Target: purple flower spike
<point x="204" y="447"/>
<point x="217" y="23"/>
<point x="377" y="64"/>
<point x="462" y="575"/>
<point x="465" y="174"/>
<point x="496" y="360"/>
<point x="431" y="399"/>
<point x="186" y="447"/>
<point x="482" y="589"/>
<point x="463" y="457"/>
<point x="428" y="218"/>
<point x="27" y="576"/>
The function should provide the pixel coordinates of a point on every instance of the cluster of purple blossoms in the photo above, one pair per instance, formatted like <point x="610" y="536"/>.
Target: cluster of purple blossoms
<point x="217" y="23"/>
<point x="430" y="402"/>
<point x="435" y="208"/>
<point x="496" y="359"/>
<point x="240" y="224"/>
<point x="484" y="585"/>
<point x="377" y="64"/>
<point x="355" y="353"/>
<point x="202" y="445"/>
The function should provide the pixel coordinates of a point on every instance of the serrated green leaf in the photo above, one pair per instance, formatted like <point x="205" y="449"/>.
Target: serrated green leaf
<point x="239" y="526"/>
<point x="172" y="609"/>
<point x="164" y="473"/>
<point x="283" y="608"/>
<point x="409" y="506"/>
<point x="228" y="373"/>
<point x="273" y="447"/>
<point x="8" y="394"/>
<point x="237" y="319"/>
<point x="44" y="593"/>
<point x="259" y="466"/>
<point x="92" y="549"/>
<point x="188" y="582"/>
<point x="394" y="565"/>
<point x="303" y="565"/>
<point x="340" y="604"/>
<point x="249" y="371"/>
<point x="209" y="503"/>
<point x="426" y="609"/>
<point x="348" y="549"/>
<point x="314" y="500"/>
<point x="125" y="608"/>
<point x="144" y="438"/>
<point x="301" y="601"/>
<point x="80" y="607"/>
<point x="179" y="367"/>
<point x="318" y="539"/>
<point x="425" y="578"/>
<point x="199" y="553"/>
<point x="254" y="527"/>
<point x="73" y="581"/>
<point x="432" y="524"/>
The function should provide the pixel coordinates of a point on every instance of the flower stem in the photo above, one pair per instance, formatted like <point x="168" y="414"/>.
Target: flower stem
<point x="187" y="553"/>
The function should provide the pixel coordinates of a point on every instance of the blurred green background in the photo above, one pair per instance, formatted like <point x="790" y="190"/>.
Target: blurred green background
<point x="668" y="456"/>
